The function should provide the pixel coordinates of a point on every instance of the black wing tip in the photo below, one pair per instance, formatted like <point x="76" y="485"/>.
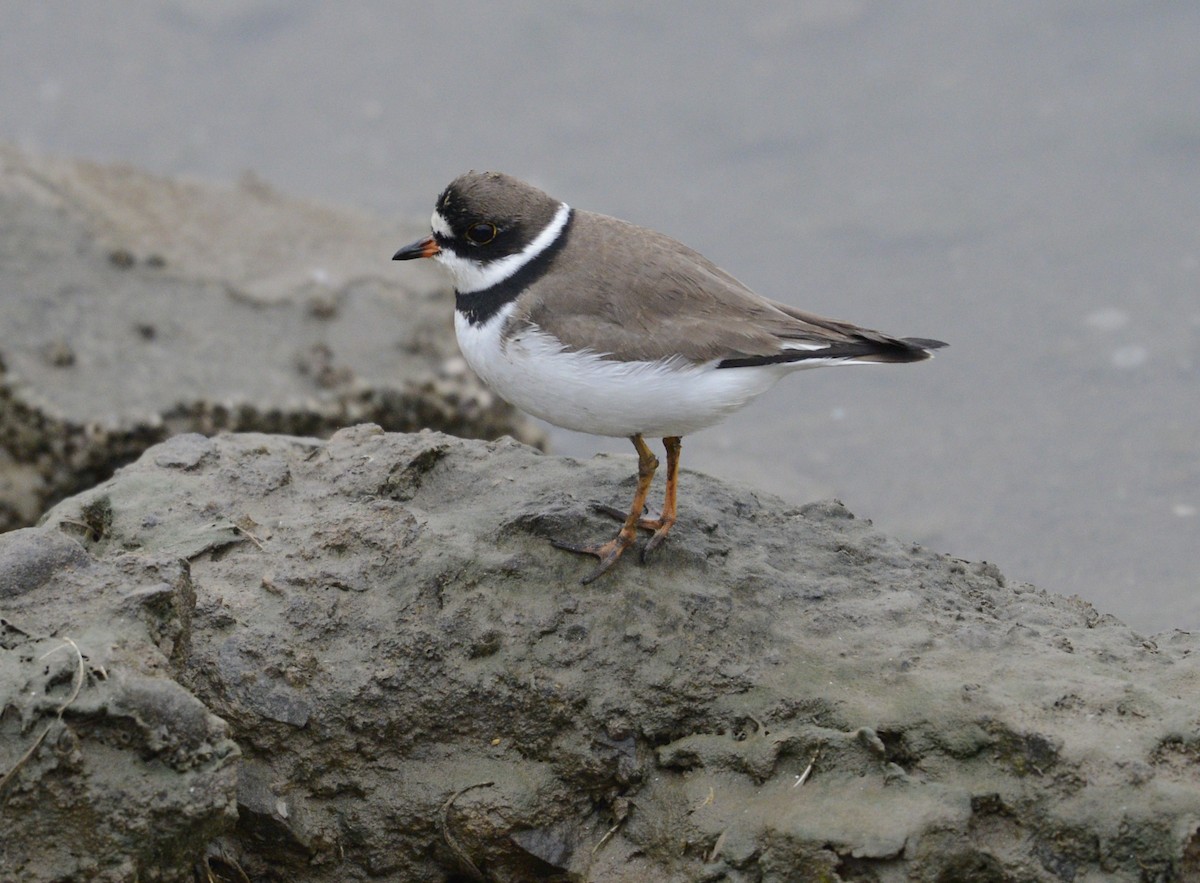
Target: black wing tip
<point x="916" y="349"/>
<point x="896" y="350"/>
<point x="925" y="343"/>
<point x="906" y="349"/>
<point x="892" y="350"/>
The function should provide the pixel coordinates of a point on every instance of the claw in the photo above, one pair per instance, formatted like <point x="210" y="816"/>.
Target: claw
<point x="660" y="534"/>
<point x="608" y="553"/>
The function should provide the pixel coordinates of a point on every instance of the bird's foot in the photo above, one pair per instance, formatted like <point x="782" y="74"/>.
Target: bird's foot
<point x="608" y="553"/>
<point x="657" y="526"/>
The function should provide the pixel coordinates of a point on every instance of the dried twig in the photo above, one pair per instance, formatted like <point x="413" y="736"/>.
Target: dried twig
<point x="460" y="853"/>
<point x="608" y="834"/>
<point x="716" y="850"/>
<point x="77" y="685"/>
<point x="243" y="525"/>
<point x="621" y="809"/>
<point x="803" y="777"/>
<point x="230" y="864"/>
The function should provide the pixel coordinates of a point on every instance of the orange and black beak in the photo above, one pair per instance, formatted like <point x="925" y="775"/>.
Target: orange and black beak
<point x="422" y="248"/>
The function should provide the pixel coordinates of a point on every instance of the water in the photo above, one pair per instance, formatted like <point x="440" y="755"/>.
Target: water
<point x="1019" y="179"/>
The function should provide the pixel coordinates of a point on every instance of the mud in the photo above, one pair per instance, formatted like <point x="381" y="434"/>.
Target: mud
<point x="418" y="687"/>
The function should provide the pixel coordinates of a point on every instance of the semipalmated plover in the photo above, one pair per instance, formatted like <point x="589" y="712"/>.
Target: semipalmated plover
<point x="600" y="326"/>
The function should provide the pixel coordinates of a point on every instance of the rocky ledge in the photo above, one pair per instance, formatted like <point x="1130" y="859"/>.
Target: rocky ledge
<point x="136" y="307"/>
<point x="276" y="658"/>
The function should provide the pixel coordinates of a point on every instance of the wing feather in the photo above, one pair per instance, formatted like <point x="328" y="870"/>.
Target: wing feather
<point x="633" y="294"/>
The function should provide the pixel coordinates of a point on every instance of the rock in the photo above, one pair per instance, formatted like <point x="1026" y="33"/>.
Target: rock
<point x="420" y="689"/>
<point x="109" y="769"/>
<point x="30" y="558"/>
<point x="135" y="307"/>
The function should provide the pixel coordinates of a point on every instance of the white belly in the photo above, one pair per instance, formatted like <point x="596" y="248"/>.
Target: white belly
<point x="580" y="391"/>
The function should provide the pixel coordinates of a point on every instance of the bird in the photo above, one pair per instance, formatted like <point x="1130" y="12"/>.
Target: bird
<point x="601" y="326"/>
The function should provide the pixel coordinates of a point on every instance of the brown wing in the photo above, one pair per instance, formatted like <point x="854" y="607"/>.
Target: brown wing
<point x="634" y="294"/>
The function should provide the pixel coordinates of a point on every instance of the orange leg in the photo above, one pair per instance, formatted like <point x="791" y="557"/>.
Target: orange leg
<point x="609" y="552"/>
<point x="662" y="525"/>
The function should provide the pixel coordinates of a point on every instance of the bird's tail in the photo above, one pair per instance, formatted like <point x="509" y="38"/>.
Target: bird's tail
<point x="905" y="349"/>
<point x="865" y="348"/>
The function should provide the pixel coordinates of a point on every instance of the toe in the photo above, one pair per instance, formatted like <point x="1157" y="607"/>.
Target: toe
<point x="580" y="548"/>
<point x="660" y="535"/>
<point x="602" y="568"/>
<point x="608" y="553"/>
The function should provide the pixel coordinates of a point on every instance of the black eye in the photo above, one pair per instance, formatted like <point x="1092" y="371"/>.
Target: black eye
<point x="481" y="234"/>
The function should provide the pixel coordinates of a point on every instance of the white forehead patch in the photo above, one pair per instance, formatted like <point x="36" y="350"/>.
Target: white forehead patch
<point x="471" y="275"/>
<point x="439" y="225"/>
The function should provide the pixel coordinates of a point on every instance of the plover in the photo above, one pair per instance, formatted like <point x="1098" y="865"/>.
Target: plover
<point x="600" y="326"/>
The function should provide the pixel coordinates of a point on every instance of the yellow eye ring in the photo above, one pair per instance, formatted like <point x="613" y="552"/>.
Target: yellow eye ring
<point x="482" y="233"/>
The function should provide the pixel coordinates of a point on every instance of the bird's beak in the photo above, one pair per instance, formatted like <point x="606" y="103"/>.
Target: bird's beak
<point x="422" y="248"/>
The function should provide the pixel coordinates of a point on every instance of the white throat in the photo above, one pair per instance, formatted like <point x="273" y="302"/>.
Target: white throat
<point x="471" y="275"/>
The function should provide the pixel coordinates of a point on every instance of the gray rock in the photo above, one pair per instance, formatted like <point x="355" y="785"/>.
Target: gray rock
<point x="134" y="308"/>
<point x="109" y="769"/>
<point x="420" y="689"/>
<point x="30" y="558"/>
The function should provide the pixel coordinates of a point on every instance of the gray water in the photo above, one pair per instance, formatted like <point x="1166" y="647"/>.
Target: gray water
<point x="1021" y="179"/>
